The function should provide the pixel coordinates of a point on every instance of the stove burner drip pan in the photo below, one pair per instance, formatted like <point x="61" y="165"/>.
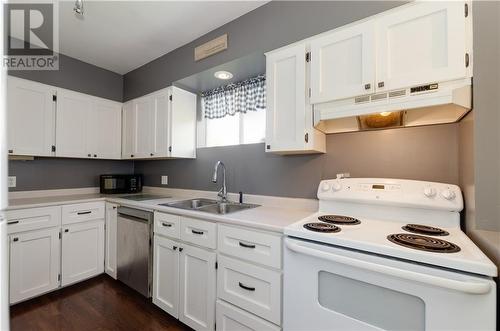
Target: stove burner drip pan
<point x="425" y="229"/>
<point x="423" y="243"/>
<point x="338" y="219"/>
<point x="321" y="227"/>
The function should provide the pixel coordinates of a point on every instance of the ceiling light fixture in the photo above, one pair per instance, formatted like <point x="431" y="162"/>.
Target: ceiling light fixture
<point x="223" y="75"/>
<point x="78" y="9"/>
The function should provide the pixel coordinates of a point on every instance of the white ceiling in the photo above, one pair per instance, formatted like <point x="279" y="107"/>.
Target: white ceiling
<point x="123" y="35"/>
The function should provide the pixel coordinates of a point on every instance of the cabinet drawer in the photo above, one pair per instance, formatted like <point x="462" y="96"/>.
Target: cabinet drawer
<point x="167" y="225"/>
<point x="254" y="246"/>
<point x="199" y="232"/>
<point x="33" y="219"/>
<point x="252" y="288"/>
<point x="231" y="318"/>
<point x="82" y="212"/>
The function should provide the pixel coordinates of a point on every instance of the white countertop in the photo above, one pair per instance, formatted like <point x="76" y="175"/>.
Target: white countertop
<point x="268" y="216"/>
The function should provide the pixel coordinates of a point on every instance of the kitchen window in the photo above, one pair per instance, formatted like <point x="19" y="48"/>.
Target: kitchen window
<point x="235" y="114"/>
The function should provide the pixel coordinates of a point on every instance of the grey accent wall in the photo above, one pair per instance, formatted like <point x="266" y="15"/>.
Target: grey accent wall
<point x="423" y="153"/>
<point x="271" y="26"/>
<point x="78" y="76"/>
<point x="56" y="173"/>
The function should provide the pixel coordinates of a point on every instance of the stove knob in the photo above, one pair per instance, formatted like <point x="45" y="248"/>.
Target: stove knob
<point x="429" y="192"/>
<point x="336" y="187"/>
<point x="325" y="187"/>
<point x="448" y="194"/>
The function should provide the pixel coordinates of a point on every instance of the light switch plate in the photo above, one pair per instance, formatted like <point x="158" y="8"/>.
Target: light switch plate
<point x="12" y="181"/>
<point x="164" y="180"/>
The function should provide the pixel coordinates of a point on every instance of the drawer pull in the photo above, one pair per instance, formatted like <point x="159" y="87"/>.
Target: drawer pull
<point x="83" y="212"/>
<point x="246" y="245"/>
<point x="197" y="232"/>
<point x="168" y="225"/>
<point x="174" y="248"/>
<point x="248" y="288"/>
<point x="12" y="222"/>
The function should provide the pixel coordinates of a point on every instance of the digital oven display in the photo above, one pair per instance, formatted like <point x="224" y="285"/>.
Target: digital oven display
<point x="378" y="187"/>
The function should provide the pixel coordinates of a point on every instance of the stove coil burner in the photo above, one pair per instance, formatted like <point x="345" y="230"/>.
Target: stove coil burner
<point x="322" y="227"/>
<point x="423" y="243"/>
<point x="337" y="219"/>
<point x="425" y="229"/>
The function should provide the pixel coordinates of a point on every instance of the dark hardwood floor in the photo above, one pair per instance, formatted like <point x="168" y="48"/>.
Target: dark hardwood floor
<point x="101" y="303"/>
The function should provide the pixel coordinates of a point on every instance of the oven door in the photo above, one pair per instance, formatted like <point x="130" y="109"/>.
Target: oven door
<point x="331" y="288"/>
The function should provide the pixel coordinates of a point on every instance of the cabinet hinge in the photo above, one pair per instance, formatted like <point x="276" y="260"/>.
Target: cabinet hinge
<point x="216" y="265"/>
<point x="53" y="148"/>
<point x="54" y="97"/>
<point x="170" y="97"/>
<point x="170" y="148"/>
<point x="308" y="57"/>
<point x="59" y="234"/>
<point x="466" y="10"/>
<point x="306" y="137"/>
<point x="467" y="60"/>
<point x="59" y="277"/>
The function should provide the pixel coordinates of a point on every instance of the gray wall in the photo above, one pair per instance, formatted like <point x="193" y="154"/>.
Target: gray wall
<point x="273" y="25"/>
<point x="425" y="153"/>
<point x="78" y="76"/>
<point x="56" y="173"/>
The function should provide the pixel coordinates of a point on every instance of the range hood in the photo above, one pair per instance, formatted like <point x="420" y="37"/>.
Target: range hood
<point x="435" y="103"/>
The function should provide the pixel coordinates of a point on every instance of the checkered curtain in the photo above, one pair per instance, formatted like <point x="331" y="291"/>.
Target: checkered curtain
<point x="241" y="97"/>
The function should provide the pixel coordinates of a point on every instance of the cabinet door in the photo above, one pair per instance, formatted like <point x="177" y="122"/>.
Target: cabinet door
<point x="182" y="124"/>
<point x="145" y="126"/>
<point x="34" y="263"/>
<point x="129" y="130"/>
<point x="104" y="129"/>
<point x="82" y="251"/>
<point x="422" y="43"/>
<point x="71" y="123"/>
<point x="110" y="248"/>
<point x="197" y="288"/>
<point x="30" y="117"/>
<point x="343" y="63"/>
<point x="286" y="99"/>
<point x="166" y="275"/>
<point x="160" y="101"/>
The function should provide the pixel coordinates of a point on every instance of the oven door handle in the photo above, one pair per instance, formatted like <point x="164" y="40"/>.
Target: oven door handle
<point x="462" y="286"/>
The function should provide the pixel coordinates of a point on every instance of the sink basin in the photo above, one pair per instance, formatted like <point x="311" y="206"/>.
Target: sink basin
<point x="226" y="207"/>
<point x="210" y="206"/>
<point x="190" y="204"/>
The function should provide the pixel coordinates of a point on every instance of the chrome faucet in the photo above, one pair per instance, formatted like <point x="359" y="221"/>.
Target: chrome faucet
<point x="223" y="191"/>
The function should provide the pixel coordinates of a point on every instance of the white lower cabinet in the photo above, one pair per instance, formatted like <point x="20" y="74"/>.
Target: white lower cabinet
<point x="166" y="275"/>
<point x="184" y="280"/>
<point x="232" y="318"/>
<point x="110" y="246"/>
<point x="197" y="287"/>
<point x="34" y="263"/>
<point x="82" y="251"/>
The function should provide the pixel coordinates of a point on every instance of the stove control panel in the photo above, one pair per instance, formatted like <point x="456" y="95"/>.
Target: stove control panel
<point x="397" y="192"/>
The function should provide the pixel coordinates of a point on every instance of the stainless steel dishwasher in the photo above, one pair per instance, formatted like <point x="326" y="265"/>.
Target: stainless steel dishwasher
<point x="134" y="249"/>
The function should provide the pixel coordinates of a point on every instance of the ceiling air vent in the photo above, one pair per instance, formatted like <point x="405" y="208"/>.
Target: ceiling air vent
<point x="362" y="99"/>
<point x="379" y="96"/>
<point x="399" y="93"/>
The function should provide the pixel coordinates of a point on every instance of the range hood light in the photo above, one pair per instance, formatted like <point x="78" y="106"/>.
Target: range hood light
<point x="225" y="75"/>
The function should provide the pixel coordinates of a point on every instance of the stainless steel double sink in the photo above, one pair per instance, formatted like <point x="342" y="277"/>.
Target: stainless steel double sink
<point x="210" y="206"/>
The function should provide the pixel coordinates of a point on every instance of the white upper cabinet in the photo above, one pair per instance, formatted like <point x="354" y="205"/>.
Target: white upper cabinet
<point x="104" y="129"/>
<point x="71" y="123"/>
<point x="87" y="126"/>
<point x="289" y="115"/>
<point x="182" y="138"/>
<point x="30" y="117"/>
<point x="343" y="63"/>
<point x="160" y="124"/>
<point x="421" y="43"/>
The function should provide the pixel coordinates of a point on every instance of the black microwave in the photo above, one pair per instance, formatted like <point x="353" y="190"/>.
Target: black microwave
<point x="114" y="184"/>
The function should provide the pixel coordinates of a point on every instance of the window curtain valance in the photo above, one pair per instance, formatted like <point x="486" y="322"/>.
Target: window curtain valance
<point x="242" y="97"/>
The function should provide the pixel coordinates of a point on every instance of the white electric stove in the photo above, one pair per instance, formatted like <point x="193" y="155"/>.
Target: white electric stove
<point x="386" y="254"/>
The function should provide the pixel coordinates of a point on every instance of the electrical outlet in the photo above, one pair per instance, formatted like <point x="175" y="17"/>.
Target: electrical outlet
<point x="164" y="180"/>
<point x="12" y="181"/>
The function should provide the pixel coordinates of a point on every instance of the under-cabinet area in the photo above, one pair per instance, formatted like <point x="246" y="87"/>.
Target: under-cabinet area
<point x="271" y="165"/>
